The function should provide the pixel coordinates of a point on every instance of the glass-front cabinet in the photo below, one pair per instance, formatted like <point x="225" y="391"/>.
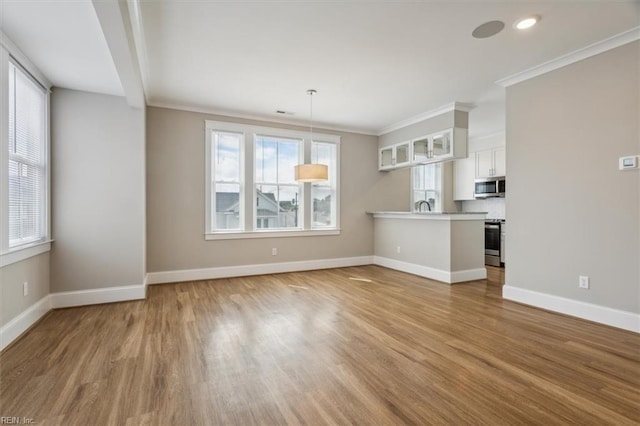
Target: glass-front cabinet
<point x="386" y="158"/>
<point x="433" y="148"/>
<point x="394" y="156"/>
<point x="420" y="150"/>
<point x="439" y="146"/>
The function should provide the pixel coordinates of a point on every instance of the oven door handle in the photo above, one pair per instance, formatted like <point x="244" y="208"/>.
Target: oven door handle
<point x="492" y="226"/>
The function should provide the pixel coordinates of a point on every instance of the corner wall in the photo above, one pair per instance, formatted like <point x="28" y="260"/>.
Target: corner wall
<point x="571" y="211"/>
<point x="98" y="210"/>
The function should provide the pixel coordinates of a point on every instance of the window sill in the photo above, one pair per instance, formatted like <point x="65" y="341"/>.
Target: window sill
<point x="271" y="234"/>
<point x="21" y="253"/>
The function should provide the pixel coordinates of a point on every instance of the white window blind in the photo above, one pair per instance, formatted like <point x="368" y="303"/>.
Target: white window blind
<point x="27" y="159"/>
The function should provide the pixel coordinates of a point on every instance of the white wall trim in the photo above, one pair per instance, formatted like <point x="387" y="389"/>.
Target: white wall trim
<point x="258" y="269"/>
<point x="487" y="136"/>
<point x="14" y="51"/>
<point x="97" y="296"/>
<point x="228" y="114"/>
<point x="432" y="273"/>
<point x="468" y="275"/>
<point x="425" y="116"/>
<point x="577" y="55"/>
<point x="24" y="253"/>
<point x="18" y="325"/>
<point x="596" y="313"/>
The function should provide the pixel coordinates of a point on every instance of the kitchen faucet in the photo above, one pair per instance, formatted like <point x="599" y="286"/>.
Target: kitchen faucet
<point x="422" y="203"/>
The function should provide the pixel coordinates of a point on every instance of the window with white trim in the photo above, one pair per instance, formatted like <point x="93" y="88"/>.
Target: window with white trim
<point x="427" y="187"/>
<point x="277" y="194"/>
<point x="226" y="181"/>
<point x="265" y="200"/>
<point x="26" y="163"/>
<point x="323" y="194"/>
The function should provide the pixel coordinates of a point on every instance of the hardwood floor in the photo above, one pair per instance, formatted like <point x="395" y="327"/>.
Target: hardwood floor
<point x="321" y="348"/>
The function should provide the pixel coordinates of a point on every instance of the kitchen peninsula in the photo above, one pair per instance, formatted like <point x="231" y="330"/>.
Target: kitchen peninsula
<point x="447" y="247"/>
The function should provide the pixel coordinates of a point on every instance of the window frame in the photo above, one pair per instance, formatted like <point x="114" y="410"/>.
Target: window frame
<point x="251" y="132"/>
<point x="439" y="196"/>
<point x="210" y="183"/>
<point x="299" y="185"/>
<point x="336" y="205"/>
<point x="9" y="255"/>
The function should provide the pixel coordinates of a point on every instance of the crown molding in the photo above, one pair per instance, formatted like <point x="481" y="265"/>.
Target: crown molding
<point x="257" y="117"/>
<point x="19" y="56"/>
<point x="487" y="136"/>
<point x="425" y="116"/>
<point x="577" y="55"/>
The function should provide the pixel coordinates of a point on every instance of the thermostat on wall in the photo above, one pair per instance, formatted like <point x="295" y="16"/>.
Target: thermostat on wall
<point x="628" y="163"/>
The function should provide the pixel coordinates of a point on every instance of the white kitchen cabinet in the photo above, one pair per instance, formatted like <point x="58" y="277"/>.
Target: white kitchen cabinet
<point x="440" y="146"/>
<point x="394" y="156"/>
<point x="490" y="163"/>
<point x="464" y="173"/>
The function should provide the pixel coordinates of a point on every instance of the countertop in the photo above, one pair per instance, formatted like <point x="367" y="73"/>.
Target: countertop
<point x="429" y="215"/>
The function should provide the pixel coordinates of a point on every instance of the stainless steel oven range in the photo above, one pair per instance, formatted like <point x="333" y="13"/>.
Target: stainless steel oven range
<point x="493" y="242"/>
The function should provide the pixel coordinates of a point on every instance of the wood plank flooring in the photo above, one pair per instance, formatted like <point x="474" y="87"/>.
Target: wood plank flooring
<point x="321" y="348"/>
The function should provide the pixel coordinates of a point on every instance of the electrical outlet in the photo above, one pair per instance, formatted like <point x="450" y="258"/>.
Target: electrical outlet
<point x="274" y="251"/>
<point x="25" y="288"/>
<point x="398" y="249"/>
<point x="583" y="281"/>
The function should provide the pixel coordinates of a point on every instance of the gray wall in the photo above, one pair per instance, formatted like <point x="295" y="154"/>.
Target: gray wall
<point x="98" y="210"/>
<point x="444" y="245"/>
<point x="176" y="209"/>
<point x="570" y="210"/>
<point x="34" y="270"/>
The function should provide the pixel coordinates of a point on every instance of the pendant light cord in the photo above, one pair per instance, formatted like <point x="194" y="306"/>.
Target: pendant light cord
<point x="311" y="92"/>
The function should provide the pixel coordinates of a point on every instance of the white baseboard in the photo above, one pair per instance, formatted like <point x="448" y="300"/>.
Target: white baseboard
<point x="259" y="269"/>
<point x="432" y="273"/>
<point x="596" y="313"/>
<point x="18" y="325"/>
<point x="97" y="296"/>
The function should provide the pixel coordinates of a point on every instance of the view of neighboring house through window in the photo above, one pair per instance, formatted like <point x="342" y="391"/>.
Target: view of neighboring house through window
<point x="27" y="159"/>
<point x="251" y="191"/>
<point x="323" y="194"/>
<point x="227" y="186"/>
<point x="427" y="186"/>
<point x="277" y="195"/>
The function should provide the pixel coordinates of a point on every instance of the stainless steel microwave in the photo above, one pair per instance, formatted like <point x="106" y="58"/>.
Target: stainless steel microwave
<point x="490" y="187"/>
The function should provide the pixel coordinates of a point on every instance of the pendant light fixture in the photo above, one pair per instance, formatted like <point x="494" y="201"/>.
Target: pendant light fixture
<point x="311" y="172"/>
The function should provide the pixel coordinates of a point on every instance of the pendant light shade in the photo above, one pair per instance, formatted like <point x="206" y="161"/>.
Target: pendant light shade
<point x="311" y="172"/>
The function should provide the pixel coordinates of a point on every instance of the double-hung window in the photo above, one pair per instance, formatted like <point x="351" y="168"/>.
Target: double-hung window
<point x="324" y="194"/>
<point x="251" y="187"/>
<point x="277" y="194"/>
<point x="24" y="163"/>
<point x="225" y="158"/>
<point x="427" y="186"/>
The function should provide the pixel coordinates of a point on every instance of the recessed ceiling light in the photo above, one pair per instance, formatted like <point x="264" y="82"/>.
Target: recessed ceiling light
<point x="488" y="29"/>
<point x="528" y="22"/>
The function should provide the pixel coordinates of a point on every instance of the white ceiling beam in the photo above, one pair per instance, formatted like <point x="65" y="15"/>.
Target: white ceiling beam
<point x="114" y="21"/>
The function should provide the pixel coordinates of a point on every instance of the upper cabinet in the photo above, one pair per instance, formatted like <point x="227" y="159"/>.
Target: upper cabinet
<point x="436" y="147"/>
<point x="464" y="174"/>
<point x="394" y="156"/>
<point x="490" y="163"/>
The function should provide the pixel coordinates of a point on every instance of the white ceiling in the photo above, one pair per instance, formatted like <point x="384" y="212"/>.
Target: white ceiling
<point x="64" y="40"/>
<point x="373" y="63"/>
